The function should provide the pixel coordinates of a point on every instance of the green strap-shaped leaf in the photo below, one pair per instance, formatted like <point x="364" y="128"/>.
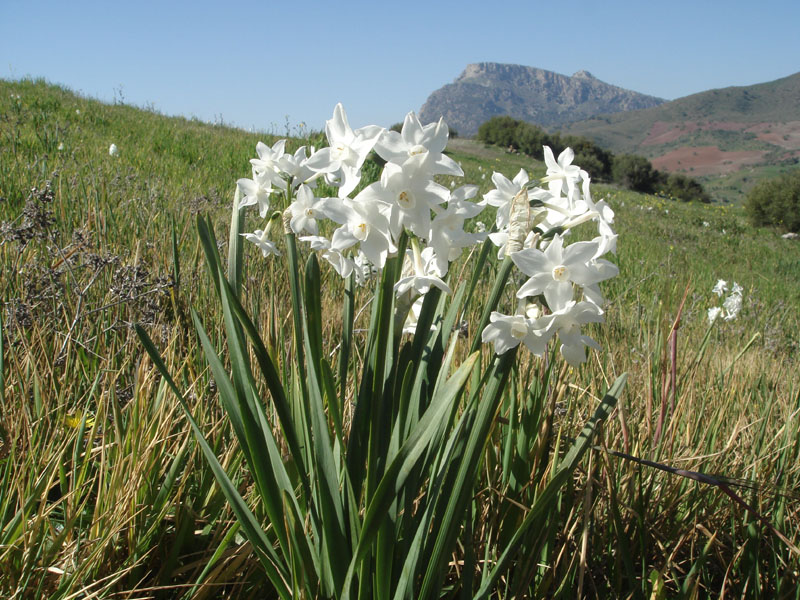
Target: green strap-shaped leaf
<point x="397" y="472"/>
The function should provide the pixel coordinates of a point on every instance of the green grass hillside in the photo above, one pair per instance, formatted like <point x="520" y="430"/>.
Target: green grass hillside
<point x="105" y="494"/>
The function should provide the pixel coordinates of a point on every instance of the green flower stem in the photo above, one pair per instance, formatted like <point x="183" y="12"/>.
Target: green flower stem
<point x="494" y="298"/>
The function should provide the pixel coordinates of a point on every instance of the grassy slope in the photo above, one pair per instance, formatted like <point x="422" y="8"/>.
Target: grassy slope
<point x="68" y="300"/>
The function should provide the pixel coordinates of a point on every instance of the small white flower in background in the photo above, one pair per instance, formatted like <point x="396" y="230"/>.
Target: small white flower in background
<point x="480" y="226"/>
<point x="706" y="224"/>
<point x="77" y="111"/>
<point x="61" y="145"/>
<point x="113" y="150"/>
<point x="732" y="305"/>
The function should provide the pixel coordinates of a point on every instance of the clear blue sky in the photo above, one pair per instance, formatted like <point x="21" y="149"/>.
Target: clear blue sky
<point x="256" y="63"/>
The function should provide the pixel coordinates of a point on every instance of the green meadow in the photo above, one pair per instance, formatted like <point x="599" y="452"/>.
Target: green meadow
<point x="104" y="492"/>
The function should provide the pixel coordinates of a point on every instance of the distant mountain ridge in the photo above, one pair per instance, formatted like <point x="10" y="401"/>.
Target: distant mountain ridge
<point x="485" y="90"/>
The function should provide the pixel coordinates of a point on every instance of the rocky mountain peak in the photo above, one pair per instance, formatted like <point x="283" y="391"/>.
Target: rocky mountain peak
<point x="548" y="99"/>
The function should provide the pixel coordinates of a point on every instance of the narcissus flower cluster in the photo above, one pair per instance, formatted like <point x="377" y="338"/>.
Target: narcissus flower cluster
<point x="559" y="292"/>
<point x="732" y="304"/>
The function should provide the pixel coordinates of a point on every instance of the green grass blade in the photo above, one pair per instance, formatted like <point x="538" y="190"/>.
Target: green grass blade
<point x="544" y="503"/>
<point x="261" y="544"/>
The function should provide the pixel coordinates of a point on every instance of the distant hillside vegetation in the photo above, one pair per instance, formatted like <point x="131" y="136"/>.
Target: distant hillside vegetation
<point x="485" y="90"/>
<point x="730" y="137"/>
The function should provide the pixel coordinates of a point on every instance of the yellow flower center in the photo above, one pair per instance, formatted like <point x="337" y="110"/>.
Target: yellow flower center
<point x="519" y="329"/>
<point x="406" y="200"/>
<point x="560" y="273"/>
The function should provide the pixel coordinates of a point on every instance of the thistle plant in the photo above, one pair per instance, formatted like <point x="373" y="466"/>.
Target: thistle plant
<point x="366" y="454"/>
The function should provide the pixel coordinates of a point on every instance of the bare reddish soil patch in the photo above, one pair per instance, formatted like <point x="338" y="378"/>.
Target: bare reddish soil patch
<point x="785" y="135"/>
<point x="706" y="160"/>
<point x="663" y="133"/>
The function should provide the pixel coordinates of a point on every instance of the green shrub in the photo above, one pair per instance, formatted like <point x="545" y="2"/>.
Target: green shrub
<point x="776" y="202"/>
<point x="635" y="173"/>
<point x="684" y="188"/>
<point x="529" y="139"/>
<point x="500" y="131"/>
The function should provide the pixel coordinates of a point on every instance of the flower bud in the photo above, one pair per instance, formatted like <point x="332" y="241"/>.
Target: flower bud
<point x="519" y="222"/>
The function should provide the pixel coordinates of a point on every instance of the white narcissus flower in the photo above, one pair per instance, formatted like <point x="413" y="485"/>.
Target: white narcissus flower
<point x="508" y="331"/>
<point x="504" y="193"/>
<point x="256" y="191"/>
<point x="259" y="238"/>
<point x="407" y="197"/>
<point x="713" y="313"/>
<point x="601" y="212"/>
<point x="732" y="306"/>
<point x="363" y="223"/>
<point x="305" y="211"/>
<point x="340" y="263"/>
<point x="419" y="148"/>
<point x="720" y="288"/>
<point x="567" y="324"/>
<point x="113" y="150"/>
<point x="295" y="167"/>
<point x="447" y="236"/>
<point x="553" y="271"/>
<point x="561" y="174"/>
<point x="347" y="150"/>
<point x="422" y="272"/>
<point x="268" y="160"/>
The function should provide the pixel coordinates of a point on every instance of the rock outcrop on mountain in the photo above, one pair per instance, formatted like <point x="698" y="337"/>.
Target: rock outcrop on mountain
<point x="547" y="99"/>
